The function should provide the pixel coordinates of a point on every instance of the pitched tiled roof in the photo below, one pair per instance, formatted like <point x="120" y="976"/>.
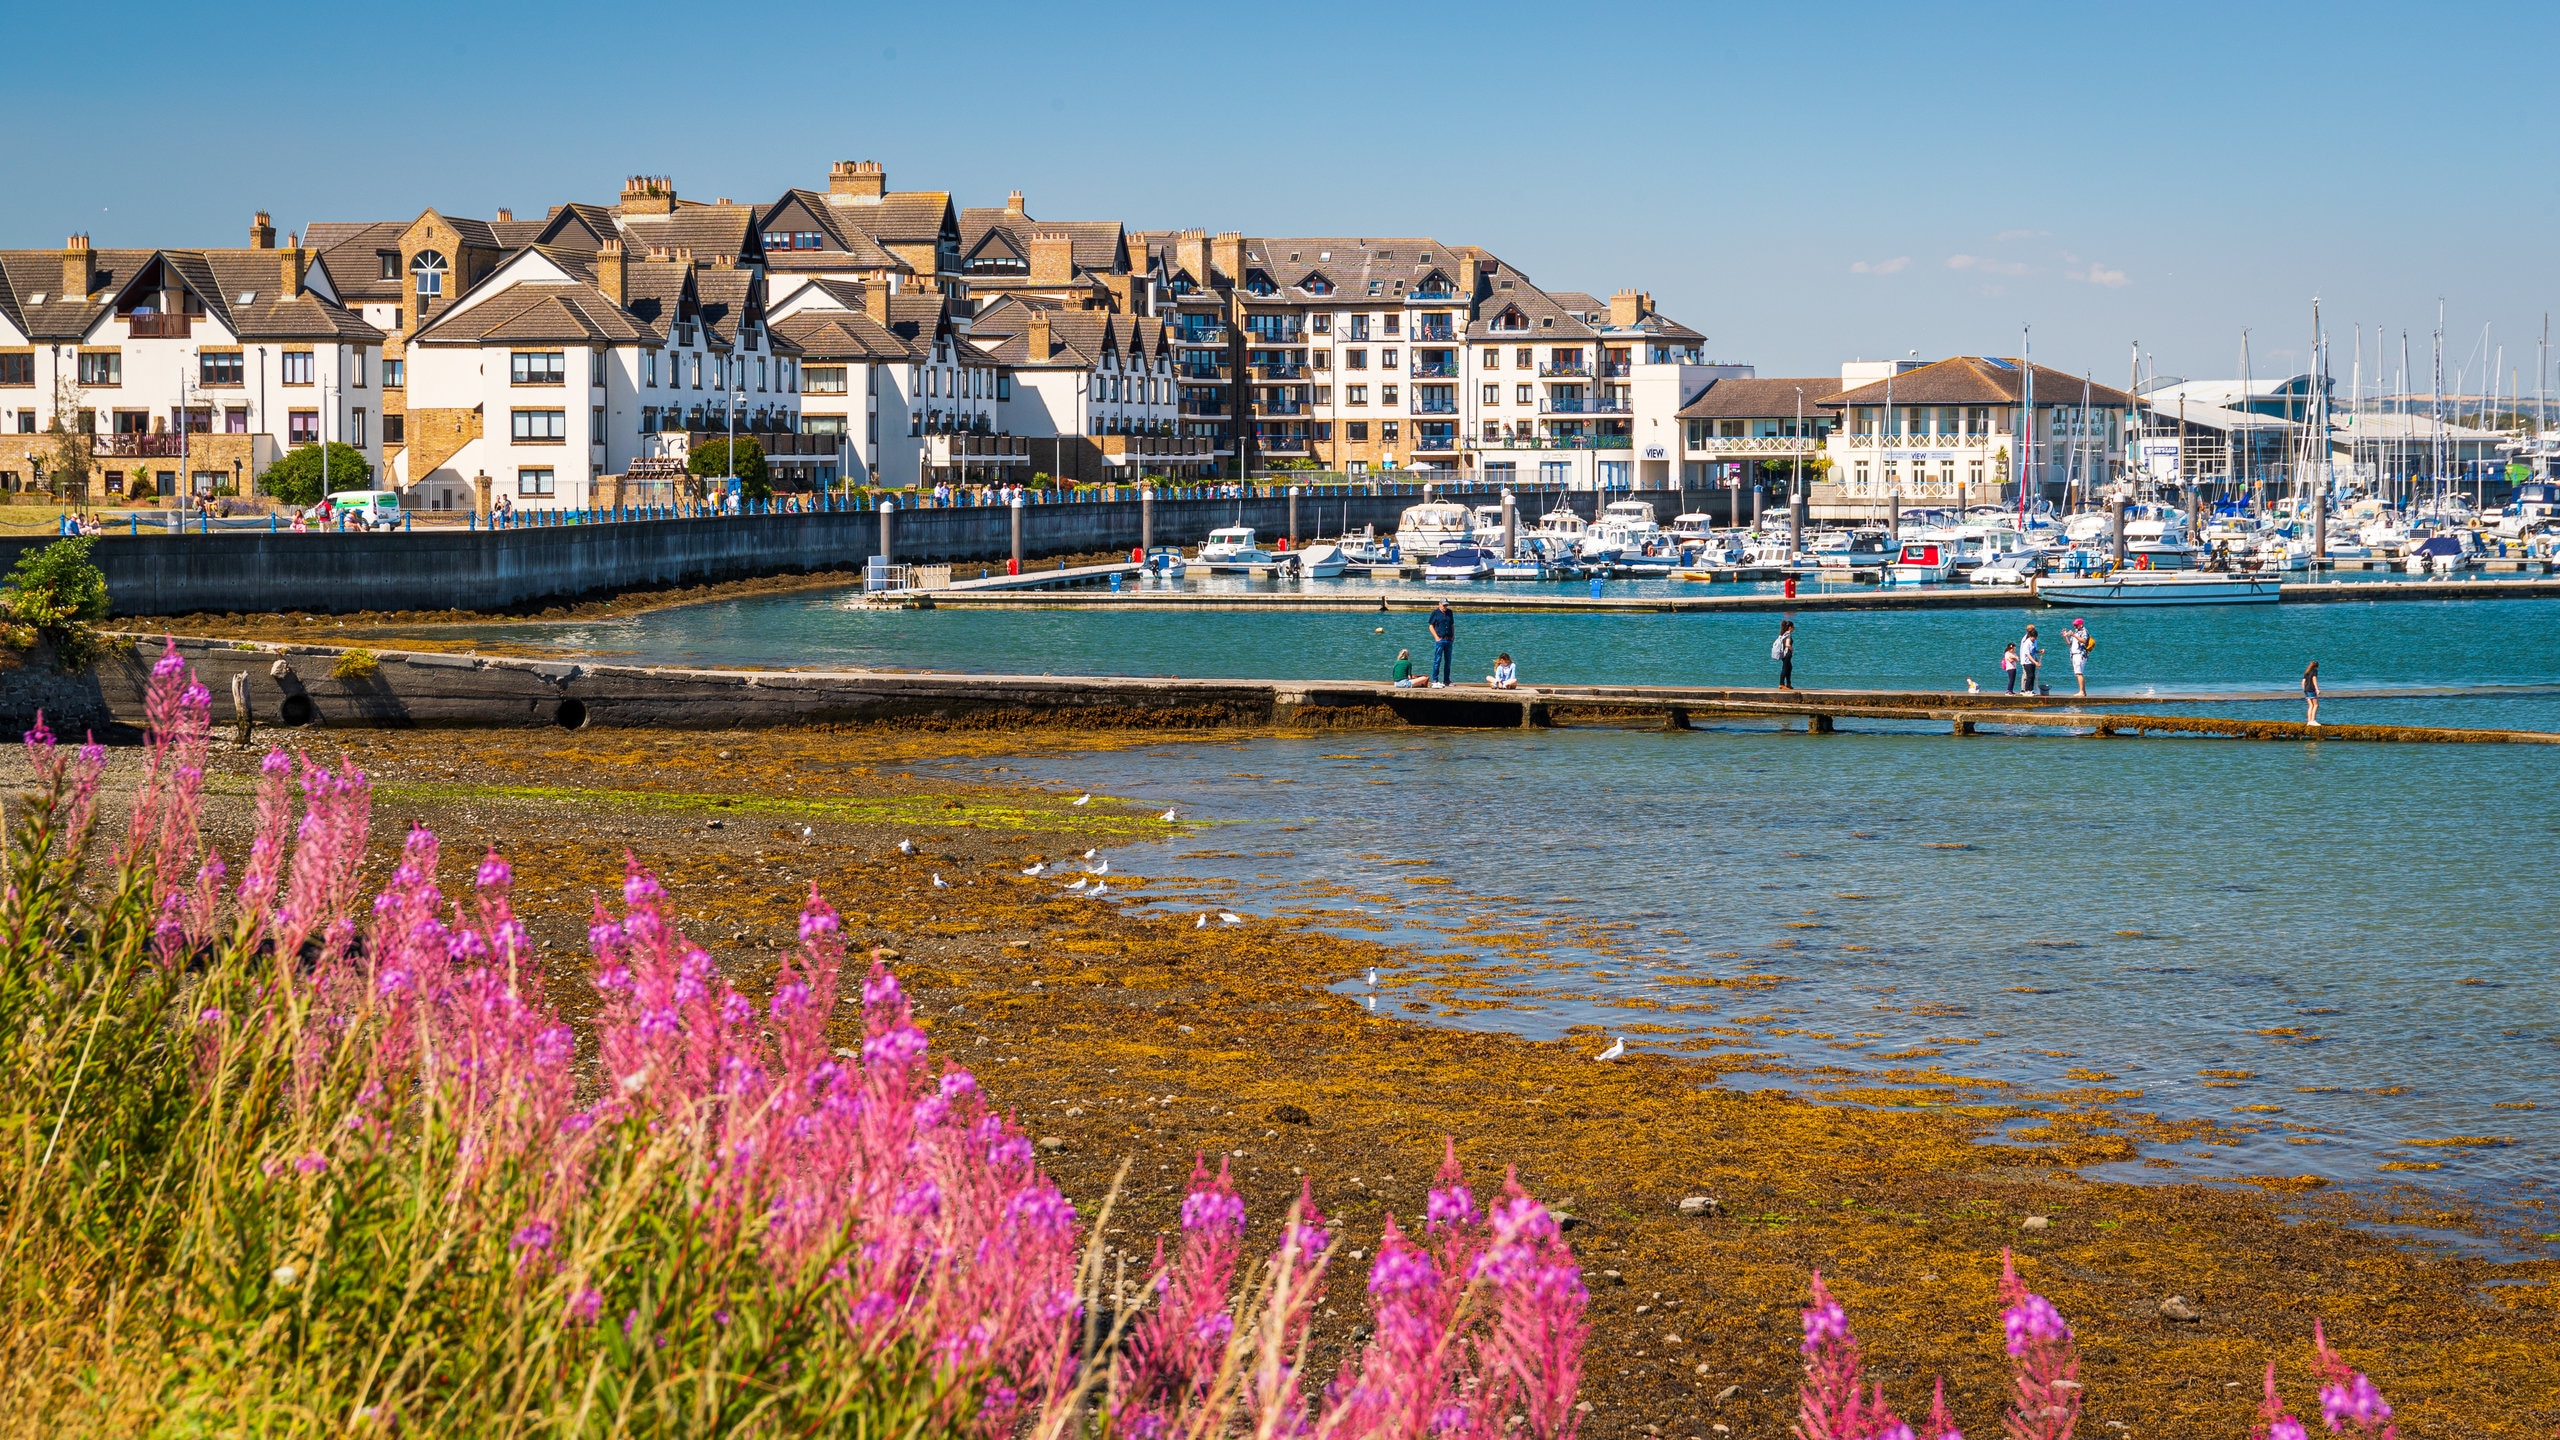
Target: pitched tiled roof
<point x="1096" y="245"/>
<point x="1980" y="380"/>
<point x="1542" y="319"/>
<point x="239" y="287"/>
<point x="657" y="294"/>
<point x="911" y="217"/>
<point x="1734" y="398"/>
<point x="1348" y="267"/>
<point x="353" y="249"/>
<point x="706" y="230"/>
<point x="824" y="335"/>
<point x="847" y="247"/>
<point x="572" y="313"/>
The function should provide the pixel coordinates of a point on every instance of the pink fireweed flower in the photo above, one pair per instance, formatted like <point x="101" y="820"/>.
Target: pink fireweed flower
<point x="2347" y="1397"/>
<point x="2045" y="1373"/>
<point x="1942" y="1421"/>
<point x="1833" y="1403"/>
<point x="585" y="1304"/>
<point x="495" y="872"/>
<point x="2031" y="1322"/>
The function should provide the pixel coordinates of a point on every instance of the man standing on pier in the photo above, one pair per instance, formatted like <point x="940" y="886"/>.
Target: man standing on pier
<point x="1444" y="633"/>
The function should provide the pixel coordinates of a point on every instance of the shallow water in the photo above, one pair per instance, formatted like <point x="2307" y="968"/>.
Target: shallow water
<point x="2321" y="948"/>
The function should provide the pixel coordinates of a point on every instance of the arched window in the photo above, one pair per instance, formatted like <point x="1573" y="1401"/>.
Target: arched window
<point x="428" y="267"/>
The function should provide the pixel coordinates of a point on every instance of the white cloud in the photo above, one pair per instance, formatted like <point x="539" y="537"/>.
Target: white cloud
<point x="1986" y="265"/>
<point x="2099" y="274"/>
<point x="2023" y="235"/>
<point x="1894" y="266"/>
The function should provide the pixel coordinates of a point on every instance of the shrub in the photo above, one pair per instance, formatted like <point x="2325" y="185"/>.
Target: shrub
<point x="355" y="664"/>
<point x="295" y="478"/>
<point x="710" y="459"/>
<point x="53" y="595"/>
<point x="313" y="1165"/>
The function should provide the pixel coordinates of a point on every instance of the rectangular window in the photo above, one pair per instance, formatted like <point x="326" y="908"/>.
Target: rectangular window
<point x="537" y="483"/>
<point x="235" y="421"/>
<point x="649" y="368"/>
<point x="825" y="379"/>
<point x="101" y="367"/>
<point x="1355" y="394"/>
<point x="1386" y="394"/>
<point x="390" y="263"/>
<point x="1387" y="430"/>
<point x="1521" y="359"/>
<point x="595" y="435"/>
<point x="1525" y="395"/>
<point x="395" y="374"/>
<point x="1394" y="323"/>
<point x="355" y="428"/>
<point x="1386" y="359"/>
<point x="1355" y="359"/>
<point x="541" y="427"/>
<point x="301" y="427"/>
<point x="220" y="367"/>
<point x="355" y="371"/>
<point x="539" y="367"/>
<point x="1493" y="394"/>
<point x="26" y="422"/>
<point x="697" y="371"/>
<point x="395" y="429"/>
<point x="1324" y="394"/>
<point x="1493" y="357"/>
<point x="1321" y="323"/>
<point x="17" y="369"/>
<point x="1324" y="429"/>
<point x="1355" y="430"/>
<point x="296" y="367"/>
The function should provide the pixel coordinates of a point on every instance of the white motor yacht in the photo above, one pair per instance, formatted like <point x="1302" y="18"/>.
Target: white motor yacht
<point x="1459" y="562"/>
<point x="1427" y="529"/>
<point x="1231" y="549"/>
<point x="2158" y="587"/>
<point x="1323" y="560"/>
<point x="1927" y="560"/>
<point x="1363" y="547"/>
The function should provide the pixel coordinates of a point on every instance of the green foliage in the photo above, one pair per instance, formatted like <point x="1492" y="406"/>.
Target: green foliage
<point x="356" y="664"/>
<point x="711" y="458"/>
<point x="52" y="596"/>
<point x="295" y="478"/>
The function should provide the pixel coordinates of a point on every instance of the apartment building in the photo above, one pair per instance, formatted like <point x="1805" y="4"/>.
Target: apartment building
<point x="1564" y="390"/>
<point x="1745" y="433"/>
<point x="861" y="230"/>
<point x="846" y="353"/>
<point x="561" y="368"/>
<point x="931" y="401"/>
<point x="1079" y="264"/>
<point x="192" y="370"/>
<point x="1975" y="422"/>
<point x="1093" y="394"/>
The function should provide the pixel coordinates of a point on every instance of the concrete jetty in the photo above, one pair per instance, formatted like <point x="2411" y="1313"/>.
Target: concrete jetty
<point x="295" y="686"/>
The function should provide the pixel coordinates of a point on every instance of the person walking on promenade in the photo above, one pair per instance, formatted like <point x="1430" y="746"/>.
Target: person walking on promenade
<point x="2030" y="658"/>
<point x="1444" y="634"/>
<point x="2079" y="642"/>
<point x="1783" y="650"/>
<point x="2009" y="667"/>
<point x="2311" y="692"/>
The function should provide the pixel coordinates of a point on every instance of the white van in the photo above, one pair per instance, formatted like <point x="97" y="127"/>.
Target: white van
<point x="367" y="509"/>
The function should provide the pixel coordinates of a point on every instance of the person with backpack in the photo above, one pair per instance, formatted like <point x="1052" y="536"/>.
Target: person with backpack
<point x="2080" y="642"/>
<point x="2009" y="667"/>
<point x="1783" y="650"/>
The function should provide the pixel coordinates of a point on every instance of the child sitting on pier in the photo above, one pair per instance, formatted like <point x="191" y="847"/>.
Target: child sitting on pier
<point x="1505" y="676"/>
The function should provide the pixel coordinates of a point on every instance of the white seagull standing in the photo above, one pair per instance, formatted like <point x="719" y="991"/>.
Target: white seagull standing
<point x="1167" y="817"/>
<point x="939" y="883"/>
<point x="1616" y="1049"/>
<point x="1078" y="885"/>
<point x="1036" y="869"/>
<point x="1102" y="869"/>
<point x="1230" y="917"/>
<point x="1081" y="799"/>
<point x="1202" y="923"/>
<point x="1089" y="854"/>
<point x="1101" y="887"/>
<point x="906" y="847"/>
<point x="1373" y="977"/>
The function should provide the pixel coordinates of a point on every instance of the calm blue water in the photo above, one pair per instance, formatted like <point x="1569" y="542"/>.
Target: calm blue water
<point x="2335" y="952"/>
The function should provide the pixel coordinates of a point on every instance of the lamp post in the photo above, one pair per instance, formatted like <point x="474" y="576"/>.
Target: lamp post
<point x="737" y="400"/>
<point x="1795" y="486"/>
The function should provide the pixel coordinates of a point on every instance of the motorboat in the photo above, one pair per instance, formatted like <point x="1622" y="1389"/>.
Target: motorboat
<point x="1923" y="562"/>
<point x="2445" y="553"/>
<point x="1427" y="529"/>
<point x="1323" y="560"/>
<point x="1766" y="550"/>
<point x="1858" y="550"/>
<point x="1165" y="565"/>
<point x="2158" y="554"/>
<point x="1693" y="528"/>
<point x="1562" y="524"/>
<point x="1460" y="562"/>
<point x="1539" y="558"/>
<point x="1231" y="549"/>
<point x="2015" y="567"/>
<point x="1363" y="547"/>
<point x="2161" y="587"/>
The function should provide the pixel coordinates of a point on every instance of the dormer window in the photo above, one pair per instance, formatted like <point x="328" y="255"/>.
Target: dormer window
<point x="1257" y="283"/>
<point x="1316" y="284"/>
<point x="390" y="264"/>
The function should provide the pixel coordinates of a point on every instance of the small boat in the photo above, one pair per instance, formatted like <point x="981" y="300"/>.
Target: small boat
<point x="1461" y="562"/>
<point x="1425" y="530"/>
<point x="1166" y="564"/>
<point x="2015" y="567"/>
<point x="1857" y="550"/>
<point x="1323" y="560"/>
<point x="1232" y="549"/>
<point x="1363" y="547"/>
<point x="2442" y="555"/>
<point x="1540" y="558"/>
<point x="1693" y="528"/>
<point x="1923" y="562"/>
<point x="2162" y="587"/>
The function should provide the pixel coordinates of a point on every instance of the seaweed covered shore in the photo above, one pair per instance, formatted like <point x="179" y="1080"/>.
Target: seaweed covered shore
<point x="1129" y="1035"/>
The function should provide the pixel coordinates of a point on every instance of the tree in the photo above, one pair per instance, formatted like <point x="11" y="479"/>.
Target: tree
<point x="711" y="458"/>
<point x="72" y="454"/>
<point x="52" y="596"/>
<point x="295" y="478"/>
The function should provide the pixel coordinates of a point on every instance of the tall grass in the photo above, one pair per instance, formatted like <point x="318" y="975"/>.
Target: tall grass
<point x="282" y="1159"/>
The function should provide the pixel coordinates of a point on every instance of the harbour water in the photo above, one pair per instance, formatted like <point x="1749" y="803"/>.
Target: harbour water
<point x="2341" y="955"/>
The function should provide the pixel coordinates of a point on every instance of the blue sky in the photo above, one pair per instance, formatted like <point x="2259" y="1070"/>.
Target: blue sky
<point x="1804" y="184"/>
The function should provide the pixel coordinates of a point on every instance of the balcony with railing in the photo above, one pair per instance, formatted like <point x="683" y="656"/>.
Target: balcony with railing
<point x="1432" y="297"/>
<point x="1435" y="440"/>
<point x="1435" y="407"/>
<point x="1201" y="335"/>
<point x="138" y="447"/>
<point x="1203" y="409"/>
<point x="1436" y="370"/>
<point x="1281" y="444"/>
<point x="147" y="326"/>
<point x="1550" y="442"/>
<point x="1274" y="330"/>
<point x="1201" y="370"/>
<point x="1754" y="445"/>
<point x="1616" y="369"/>
<point x="1570" y="367"/>
<point x="1280" y="372"/>
<point x="1280" y="407"/>
<point x="1434" y="335"/>
<point x="977" y="450"/>
<point x="779" y="444"/>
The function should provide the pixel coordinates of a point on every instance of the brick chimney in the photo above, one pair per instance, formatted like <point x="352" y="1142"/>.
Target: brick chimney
<point x="1627" y="307"/>
<point x="648" y="195"/>
<point x="292" y="267"/>
<point x="506" y="217"/>
<point x="1470" y="275"/>
<point x="1053" y="257"/>
<point x="75" y="268"/>
<point x="1226" y="256"/>
<point x="1013" y="204"/>
<point x="262" y="231"/>
<point x="610" y="272"/>
<point x="1037" y="337"/>
<point x="1191" y="255"/>
<point x="849" y="180"/>
<point x="875" y="302"/>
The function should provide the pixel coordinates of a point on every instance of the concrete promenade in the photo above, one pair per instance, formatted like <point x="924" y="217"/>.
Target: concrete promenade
<point x="293" y="686"/>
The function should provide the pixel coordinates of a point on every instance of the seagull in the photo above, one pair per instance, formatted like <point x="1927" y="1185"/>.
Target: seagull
<point x="1970" y="688"/>
<point x="1081" y="799"/>
<point x="1166" y="817"/>
<point x="1036" y="869"/>
<point x="1102" y="869"/>
<point x="939" y="883"/>
<point x="1373" y="977"/>
<point x="1230" y="917"/>
<point x="1202" y="923"/>
<point x="1089" y="854"/>
<point x="807" y="834"/>
<point x="1615" y="1050"/>
<point x="1101" y="887"/>
<point x="1078" y="885"/>
<point x="906" y="847"/>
